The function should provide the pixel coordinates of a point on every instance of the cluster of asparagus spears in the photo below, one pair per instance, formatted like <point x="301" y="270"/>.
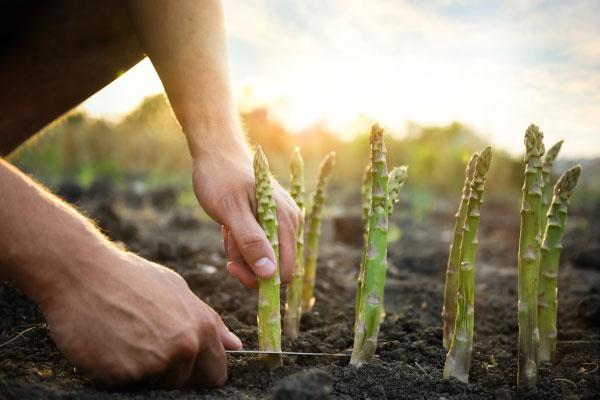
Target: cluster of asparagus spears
<point x="543" y="217"/>
<point x="542" y="229"/>
<point x="380" y="191"/>
<point x="299" y="294"/>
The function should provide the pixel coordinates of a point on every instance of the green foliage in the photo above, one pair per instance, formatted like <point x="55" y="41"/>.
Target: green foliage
<point x="148" y="144"/>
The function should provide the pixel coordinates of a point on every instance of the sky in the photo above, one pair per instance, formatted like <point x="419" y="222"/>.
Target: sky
<point x="496" y="66"/>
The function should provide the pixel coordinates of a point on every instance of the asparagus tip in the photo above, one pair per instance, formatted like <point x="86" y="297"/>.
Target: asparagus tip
<point x="260" y="159"/>
<point x="482" y="163"/>
<point x="534" y="141"/>
<point x="328" y="163"/>
<point x="567" y="182"/>
<point x="552" y="153"/>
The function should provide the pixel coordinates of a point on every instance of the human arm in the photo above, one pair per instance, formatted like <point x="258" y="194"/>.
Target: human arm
<point x="185" y="41"/>
<point x="117" y="317"/>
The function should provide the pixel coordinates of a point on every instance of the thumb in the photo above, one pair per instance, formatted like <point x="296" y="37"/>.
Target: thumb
<point x="253" y="244"/>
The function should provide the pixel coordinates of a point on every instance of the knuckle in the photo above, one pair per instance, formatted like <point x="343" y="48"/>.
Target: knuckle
<point x="186" y="344"/>
<point x="249" y="240"/>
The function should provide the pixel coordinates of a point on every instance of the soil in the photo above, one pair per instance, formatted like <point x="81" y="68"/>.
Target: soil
<point x="410" y="355"/>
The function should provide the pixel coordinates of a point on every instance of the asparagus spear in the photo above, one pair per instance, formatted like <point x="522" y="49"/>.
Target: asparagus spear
<point x="269" y="318"/>
<point x="396" y="180"/>
<point x="314" y="231"/>
<point x="529" y="257"/>
<point x="547" y="165"/>
<point x="451" y="286"/>
<point x="293" y="306"/>
<point x="370" y="308"/>
<point x="550" y="255"/>
<point x="458" y="359"/>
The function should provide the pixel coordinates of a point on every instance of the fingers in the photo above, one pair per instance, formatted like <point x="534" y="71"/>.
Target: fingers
<point x="229" y="340"/>
<point x="244" y="274"/>
<point x="210" y="367"/>
<point x="288" y="216"/>
<point x="251" y="241"/>
<point x="238" y="267"/>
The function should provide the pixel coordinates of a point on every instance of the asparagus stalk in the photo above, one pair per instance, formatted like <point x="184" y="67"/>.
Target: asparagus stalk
<point x="396" y="180"/>
<point x="269" y="318"/>
<point x="293" y="304"/>
<point x="458" y="359"/>
<point x="366" y="197"/>
<point x="529" y="258"/>
<point x="366" y="188"/>
<point x="370" y="308"/>
<point x="451" y="286"/>
<point x="314" y="231"/>
<point x="547" y="165"/>
<point x="550" y="256"/>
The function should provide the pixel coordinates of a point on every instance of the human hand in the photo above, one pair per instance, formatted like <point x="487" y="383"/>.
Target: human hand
<point x="224" y="185"/>
<point x="124" y="321"/>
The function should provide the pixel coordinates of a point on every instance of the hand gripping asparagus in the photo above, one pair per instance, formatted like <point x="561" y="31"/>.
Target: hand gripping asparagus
<point x="370" y="308"/>
<point x="314" y="231"/>
<point x="451" y="286"/>
<point x="550" y="256"/>
<point x="529" y="258"/>
<point x="547" y="165"/>
<point x="458" y="359"/>
<point x="269" y="318"/>
<point x="293" y="305"/>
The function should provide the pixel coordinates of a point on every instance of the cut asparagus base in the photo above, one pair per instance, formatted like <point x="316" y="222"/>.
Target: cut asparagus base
<point x="366" y="328"/>
<point x="529" y="258"/>
<point x="269" y="317"/>
<point x="451" y="284"/>
<point x="550" y="257"/>
<point x="293" y="303"/>
<point x="458" y="359"/>
<point x="314" y="231"/>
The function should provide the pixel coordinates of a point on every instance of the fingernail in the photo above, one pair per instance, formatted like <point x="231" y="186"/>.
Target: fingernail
<point x="236" y="340"/>
<point x="264" y="267"/>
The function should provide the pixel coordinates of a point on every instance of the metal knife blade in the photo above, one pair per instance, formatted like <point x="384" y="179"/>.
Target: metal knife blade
<point x="286" y="353"/>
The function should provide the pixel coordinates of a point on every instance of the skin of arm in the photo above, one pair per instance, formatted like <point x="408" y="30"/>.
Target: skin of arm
<point x="185" y="41"/>
<point x="120" y="319"/>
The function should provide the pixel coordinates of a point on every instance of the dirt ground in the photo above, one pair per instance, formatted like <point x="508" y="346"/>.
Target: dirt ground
<point x="410" y="354"/>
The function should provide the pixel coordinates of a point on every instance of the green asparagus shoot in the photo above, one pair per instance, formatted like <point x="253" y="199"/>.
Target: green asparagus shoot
<point x="458" y="359"/>
<point x="529" y="258"/>
<point x="293" y="305"/>
<point x="547" y="165"/>
<point x="269" y="318"/>
<point x="396" y="180"/>
<point x="314" y="231"/>
<point x="451" y="285"/>
<point x="550" y="256"/>
<point x="366" y="328"/>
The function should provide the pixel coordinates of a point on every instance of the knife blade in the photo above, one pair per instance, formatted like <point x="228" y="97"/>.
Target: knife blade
<point x="286" y="353"/>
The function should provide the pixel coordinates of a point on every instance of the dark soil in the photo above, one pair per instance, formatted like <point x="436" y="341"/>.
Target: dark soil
<point x="410" y="355"/>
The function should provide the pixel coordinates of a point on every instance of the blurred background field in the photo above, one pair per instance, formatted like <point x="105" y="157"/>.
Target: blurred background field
<point x="147" y="149"/>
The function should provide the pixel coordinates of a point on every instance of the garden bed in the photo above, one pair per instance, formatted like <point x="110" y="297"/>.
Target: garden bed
<point x="410" y="353"/>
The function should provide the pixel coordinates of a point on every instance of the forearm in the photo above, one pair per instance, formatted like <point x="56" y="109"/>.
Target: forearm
<point x="42" y="240"/>
<point x="185" y="41"/>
